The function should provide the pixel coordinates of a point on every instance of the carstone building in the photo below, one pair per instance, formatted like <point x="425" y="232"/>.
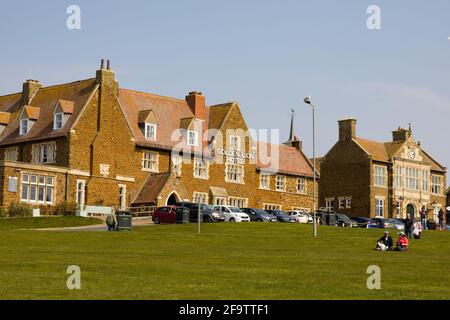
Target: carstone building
<point x="98" y="144"/>
<point x="360" y="177"/>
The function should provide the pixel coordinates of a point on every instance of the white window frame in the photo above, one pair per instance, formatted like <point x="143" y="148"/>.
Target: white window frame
<point x="264" y="181"/>
<point x="426" y="180"/>
<point x="379" y="176"/>
<point x="122" y="196"/>
<point x="150" y="131"/>
<point x="44" y="153"/>
<point x="201" y="169"/>
<point x="329" y="204"/>
<point x="220" y="201"/>
<point x="55" y="121"/>
<point x="348" y="203"/>
<point x="202" y="196"/>
<point x="399" y="177"/>
<point x="301" y="186"/>
<point x="234" y="143"/>
<point x="280" y="183"/>
<point x="24" y="128"/>
<point x="271" y="206"/>
<point x="12" y="154"/>
<point x="36" y="182"/>
<point x="149" y="163"/>
<point x="234" y="173"/>
<point x="380" y="206"/>
<point x="436" y="184"/>
<point x="237" y="202"/>
<point x="192" y="138"/>
<point x="81" y="192"/>
<point x="412" y="179"/>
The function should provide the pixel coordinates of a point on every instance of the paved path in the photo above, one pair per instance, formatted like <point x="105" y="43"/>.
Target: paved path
<point x="97" y="227"/>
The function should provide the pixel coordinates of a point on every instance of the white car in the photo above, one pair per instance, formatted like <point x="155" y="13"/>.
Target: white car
<point x="301" y="217"/>
<point x="233" y="214"/>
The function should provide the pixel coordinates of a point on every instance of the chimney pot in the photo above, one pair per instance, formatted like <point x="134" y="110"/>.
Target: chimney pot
<point x="102" y="65"/>
<point x="108" y="65"/>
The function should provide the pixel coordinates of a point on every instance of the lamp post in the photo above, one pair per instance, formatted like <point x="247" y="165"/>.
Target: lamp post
<point x="307" y="100"/>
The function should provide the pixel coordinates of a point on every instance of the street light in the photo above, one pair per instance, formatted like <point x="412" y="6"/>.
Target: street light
<point x="307" y="100"/>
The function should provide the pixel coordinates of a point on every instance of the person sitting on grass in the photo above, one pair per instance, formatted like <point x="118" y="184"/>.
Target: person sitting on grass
<point x="402" y="242"/>
<point x="385" y="243"/>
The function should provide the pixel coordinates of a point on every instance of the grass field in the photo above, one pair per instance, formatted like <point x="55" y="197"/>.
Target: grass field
<point x="227" y="261"/>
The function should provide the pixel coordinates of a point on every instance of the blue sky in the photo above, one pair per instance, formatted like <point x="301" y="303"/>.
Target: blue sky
<point x="267" y="55"/>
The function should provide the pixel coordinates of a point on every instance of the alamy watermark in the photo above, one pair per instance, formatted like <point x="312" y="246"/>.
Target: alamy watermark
<point x="73" y="21"/>
<point x="374" y="280"/>
<point x="74" y="280"/>
<point x="374" y="20"/>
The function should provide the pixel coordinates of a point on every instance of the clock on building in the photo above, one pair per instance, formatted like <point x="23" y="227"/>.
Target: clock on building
<point x="411" y="154"/>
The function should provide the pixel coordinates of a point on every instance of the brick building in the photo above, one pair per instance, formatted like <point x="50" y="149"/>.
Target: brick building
<point x="95" y="143"/>
<point x="360" y="177"/>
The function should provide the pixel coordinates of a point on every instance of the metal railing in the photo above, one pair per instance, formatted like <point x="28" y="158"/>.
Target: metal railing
<point x="144" y="211"/>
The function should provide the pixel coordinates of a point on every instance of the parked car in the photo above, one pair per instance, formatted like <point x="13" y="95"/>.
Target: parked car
<point x="233" y="214"/>
<point x="399" y="225"/>
<point x="363" y="222"/>
<point x="301" y="217"/>
<point x="207" y="212"/>
<point x="383" y="223"/>
<point x="282" y="216"/>
<point x="343" y="220"/>
<point x="167" y="214"/>
<point x="259" y="215"/>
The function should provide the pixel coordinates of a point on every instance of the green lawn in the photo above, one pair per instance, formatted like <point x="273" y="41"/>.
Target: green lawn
<point x="227" y="261"/>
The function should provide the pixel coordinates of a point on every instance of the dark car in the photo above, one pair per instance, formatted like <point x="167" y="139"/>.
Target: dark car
<point x="344" y="221"/>
<point x="207" y="212"/>
<point x="281" y="215"/>
<point x="259" y="215"/>
<point x="364" y="222"/>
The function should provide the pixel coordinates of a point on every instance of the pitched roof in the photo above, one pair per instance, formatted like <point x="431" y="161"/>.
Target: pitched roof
<point x="283" y="159"/>
<point x="384" y="151"/>
<point x="67" y="106"/>
<point x="167" y="110"/>
<point x="31" y="112"/>
<point x="45" y="100"/>
<point x="151" y="188"/>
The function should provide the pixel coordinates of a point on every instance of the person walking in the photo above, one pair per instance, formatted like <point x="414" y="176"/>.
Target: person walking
<point x="111" y="221"/>
<point x="408" y="227"/>
<point x="423" y="218"/>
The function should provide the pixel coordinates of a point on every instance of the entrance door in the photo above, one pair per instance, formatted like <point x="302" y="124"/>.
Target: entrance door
<point x="411" y="210"/>
<point x="172" y="200"/>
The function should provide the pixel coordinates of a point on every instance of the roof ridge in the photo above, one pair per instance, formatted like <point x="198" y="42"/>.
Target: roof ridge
<point x="151" y="94"/>
<point x="67" y="84"/>
<point x="10" y="94"/>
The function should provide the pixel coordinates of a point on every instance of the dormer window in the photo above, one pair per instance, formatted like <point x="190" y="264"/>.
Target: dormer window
<point x="4" y="120"/>
<point x="150" y="131"/>
<point x="62" y="112"/>
<point x="24" y="126"/>
<point x="58" y="121"/>
<point x="27" y="118"/>
<point x="148" y="124"/>
<point x="192" y="137"/>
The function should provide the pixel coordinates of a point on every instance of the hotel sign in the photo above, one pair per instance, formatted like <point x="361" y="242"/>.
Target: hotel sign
<point x="234" y="156"/>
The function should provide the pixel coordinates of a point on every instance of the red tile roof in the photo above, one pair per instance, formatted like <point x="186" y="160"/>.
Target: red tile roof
<point x="167" y="111"/>
<point x="283" y="159"/>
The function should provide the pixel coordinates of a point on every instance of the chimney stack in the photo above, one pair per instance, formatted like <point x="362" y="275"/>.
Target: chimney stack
<point x="347" y="129"/>
<point x="29" y="89"/>
<point x="108" y="65"/>
<point x="197" y="103"/>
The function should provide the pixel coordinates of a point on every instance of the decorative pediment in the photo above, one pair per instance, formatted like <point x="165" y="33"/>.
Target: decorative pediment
<point x="147" y="116"/>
